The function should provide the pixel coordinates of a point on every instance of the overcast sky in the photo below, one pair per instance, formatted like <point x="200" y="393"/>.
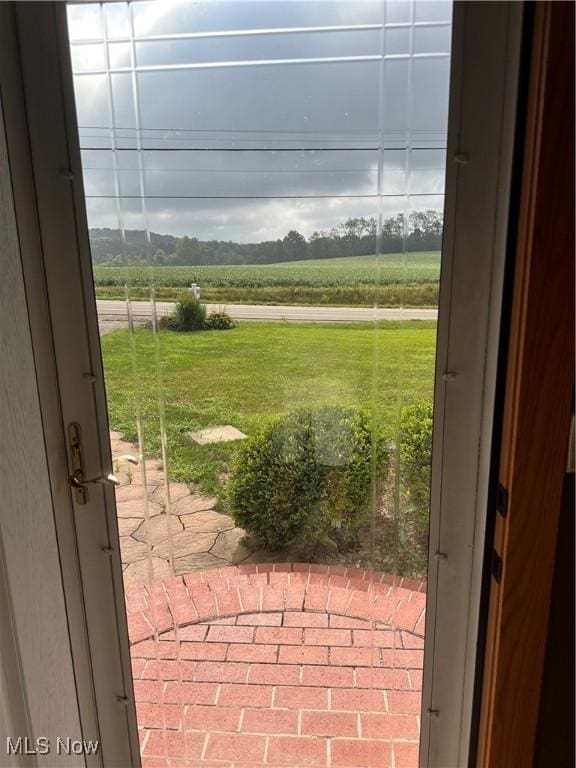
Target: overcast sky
<point x="244" y="136"/>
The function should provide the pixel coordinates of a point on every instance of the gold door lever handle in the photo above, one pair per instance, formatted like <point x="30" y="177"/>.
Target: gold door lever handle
<point x="77" y="480"/>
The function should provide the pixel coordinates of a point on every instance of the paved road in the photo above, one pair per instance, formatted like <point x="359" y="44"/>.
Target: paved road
<point x="116" y="310"/>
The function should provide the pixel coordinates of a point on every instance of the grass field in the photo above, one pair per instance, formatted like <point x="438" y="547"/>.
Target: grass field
<point x="399" y="279"/>
<point x="250" y="374"/>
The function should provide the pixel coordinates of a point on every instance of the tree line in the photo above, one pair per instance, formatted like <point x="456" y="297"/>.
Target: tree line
<point x="419" y="231"/>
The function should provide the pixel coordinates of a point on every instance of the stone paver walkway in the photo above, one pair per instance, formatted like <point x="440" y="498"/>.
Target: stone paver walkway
<point x="278" y="665"/>
<point x="161" y="536"/>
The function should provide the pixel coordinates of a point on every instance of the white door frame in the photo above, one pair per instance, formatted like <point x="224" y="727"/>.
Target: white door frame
<point x="46" y="180"/>
<point x="485" y="73"/>
<point x="45" y="160"/>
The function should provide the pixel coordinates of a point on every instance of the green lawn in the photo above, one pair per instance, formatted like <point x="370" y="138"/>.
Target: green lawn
<point x="257" y="371"/>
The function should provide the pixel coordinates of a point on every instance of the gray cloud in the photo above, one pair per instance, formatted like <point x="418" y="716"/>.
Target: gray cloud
<point x="332" y="110"/>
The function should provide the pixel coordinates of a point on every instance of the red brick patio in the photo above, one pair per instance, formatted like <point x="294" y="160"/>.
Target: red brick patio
<point x="278" y="665"/>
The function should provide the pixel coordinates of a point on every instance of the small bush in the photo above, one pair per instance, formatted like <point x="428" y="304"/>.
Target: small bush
<point x="415" y="461"/>
<point x="189" y="315"/>
<point x="306" y="477"/>
<point x="219" y="321"/>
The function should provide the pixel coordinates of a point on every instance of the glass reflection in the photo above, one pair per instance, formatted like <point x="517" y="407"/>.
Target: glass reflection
<point x="264" y="188"/>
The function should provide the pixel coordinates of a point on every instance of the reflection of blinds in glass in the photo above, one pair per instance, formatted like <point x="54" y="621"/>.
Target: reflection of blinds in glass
<point x="297" y="134"/>
<point x="281" y="111"/>
<point x="303" y="83"/>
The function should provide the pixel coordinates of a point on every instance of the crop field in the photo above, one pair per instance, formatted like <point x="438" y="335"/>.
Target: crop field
<point x="396" y="269"/>
<point x="392" y="280"/>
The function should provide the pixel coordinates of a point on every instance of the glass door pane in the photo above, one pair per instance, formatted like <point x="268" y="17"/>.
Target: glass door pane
<point x="264" y="185"/>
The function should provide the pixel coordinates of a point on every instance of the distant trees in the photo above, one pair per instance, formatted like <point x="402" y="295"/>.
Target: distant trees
<point x="294" y="246"/>
<point x="392" y="236"/>
<point x="189" y="250"/>
<point x="419" y="231"/>
<point x="160" y="258"/>
<point x="425" y="230"/>
<point x="109" y="246"/>
<point x="354" y="237"/>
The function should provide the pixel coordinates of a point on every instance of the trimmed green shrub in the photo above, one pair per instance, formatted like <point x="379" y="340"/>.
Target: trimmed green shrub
<point x="189" y="315"/>
<point x="415" y="461"/>
<point x="219" y="321"/>
<point x="305" y="477"/>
